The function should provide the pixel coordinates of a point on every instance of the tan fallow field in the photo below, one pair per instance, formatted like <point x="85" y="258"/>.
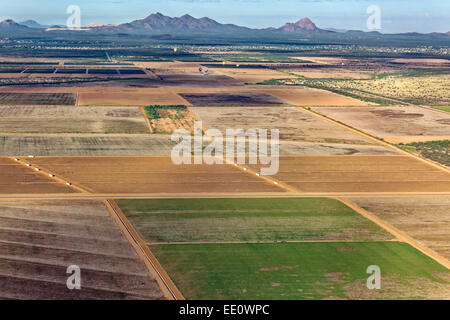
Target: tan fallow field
<point x="395" y="124"/>
<point x="424" y="219"/>
<point x="361" y="173"/>
<point x="152" y="175"/>
<point x="19" y="179"/>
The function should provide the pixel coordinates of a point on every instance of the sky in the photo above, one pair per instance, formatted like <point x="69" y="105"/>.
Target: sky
<point x="396" y="15"/>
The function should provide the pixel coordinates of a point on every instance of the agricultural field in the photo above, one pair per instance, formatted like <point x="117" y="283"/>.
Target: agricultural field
<point x="128" y="97"/>
<point x="320" y="148"/>
<point x="425" y="219"/>
<point x="71" y="120"/>
<point x="361" y="173"/>
<point x="85" y="145"/>
<point x="152" y="175"/>
<point x="231" y="99"/>
<point x="230" y="220"/>
<point x="309" y="248"/>
<point x="22" y="98"/>
<point x="40" y="239"/>
<point x="395" y="124"/>
<point x="444" y="108"/>
<point x="330" y="74"/>
<point x="297" y="271"/>
<point x="295" y="124"/>
<point x="101" y="189"/>
<point x="166" y="119"/>
<point x="302" y="96"/>
<point x="251" y="75"/>
<point x="18" y="179"/>
<point x="192" y="78"/>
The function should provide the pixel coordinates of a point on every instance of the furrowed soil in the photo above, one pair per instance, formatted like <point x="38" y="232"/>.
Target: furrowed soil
<point x="41" y="239"/>
<point x="152" y="175"/>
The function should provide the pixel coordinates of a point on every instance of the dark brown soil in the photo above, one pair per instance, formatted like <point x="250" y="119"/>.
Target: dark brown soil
<point x="239" y="99"/>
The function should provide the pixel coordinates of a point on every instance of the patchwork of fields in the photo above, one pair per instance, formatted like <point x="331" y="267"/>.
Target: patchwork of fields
<point x="87" y="177"/>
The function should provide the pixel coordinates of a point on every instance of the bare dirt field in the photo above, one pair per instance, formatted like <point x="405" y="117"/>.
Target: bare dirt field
<point x="193" y="78"/>
<point x="252" y="75"/>
<point x="40" y="239"/>
<point x="231" y="99"/>
<point x="361" y="174"/>
<point x="321" y="148"/>
<point x="411" y="139"/>
<point x="323" y="60"/>
<point x="439" y="62"/>
<point x="133" y="175"/>
<point x="424" y="219"/>
<point x="396" y="122"/>
<point x="294" y="124"/>
<point x="71" y="120"/>
<point x="17" y="179"/>
<point x="332" y="74"/>
<point x="85" y="145"/>
<point x="300" y="96"/>
<point x="110" y="96"/>
<point x="128" y="97"/>
<point x="22" y="98"/>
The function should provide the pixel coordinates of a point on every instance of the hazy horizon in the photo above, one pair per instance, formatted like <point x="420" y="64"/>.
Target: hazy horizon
<point x="396" y="16"/>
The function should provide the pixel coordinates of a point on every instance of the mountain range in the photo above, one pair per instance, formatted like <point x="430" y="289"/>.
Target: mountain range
<point x="158" y="23"/>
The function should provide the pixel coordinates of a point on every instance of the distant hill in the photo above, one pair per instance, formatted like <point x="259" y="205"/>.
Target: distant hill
<point x="11" y="25"/>
<point x="301" y="25"/>
<point x="158" y="22"/>
<point x="33" y="24"/>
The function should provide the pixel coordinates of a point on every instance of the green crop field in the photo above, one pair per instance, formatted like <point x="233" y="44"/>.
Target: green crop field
<point x="210" y="220"/>
<point x="446" y="108"/>
<point x="302" y="271"/>
<point x="438" y="150"/>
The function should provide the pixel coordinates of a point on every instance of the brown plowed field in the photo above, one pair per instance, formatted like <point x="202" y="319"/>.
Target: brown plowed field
<point x="152" y="175"/>
<point x="294" y="124"/>
<point x="111" y="96"/>
<point x="17" y="179"/>
<point x="40" y="239"/>
<point x="401" y="121"/>
<point x="361" y="174"/>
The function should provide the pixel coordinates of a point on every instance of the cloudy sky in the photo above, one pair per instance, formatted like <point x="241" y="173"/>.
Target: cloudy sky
<point x="397" y="15"/>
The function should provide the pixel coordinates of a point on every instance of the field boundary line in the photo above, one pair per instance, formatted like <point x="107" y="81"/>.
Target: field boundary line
<point x="46" y="173"/>
<point x="272" y="195"/>
<point x="165" y="283"/>
<point x="268" y="242"/>
<point x="147" y="120"/>
<point x="397" y="233"/>
<point x="377" y="140"/>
